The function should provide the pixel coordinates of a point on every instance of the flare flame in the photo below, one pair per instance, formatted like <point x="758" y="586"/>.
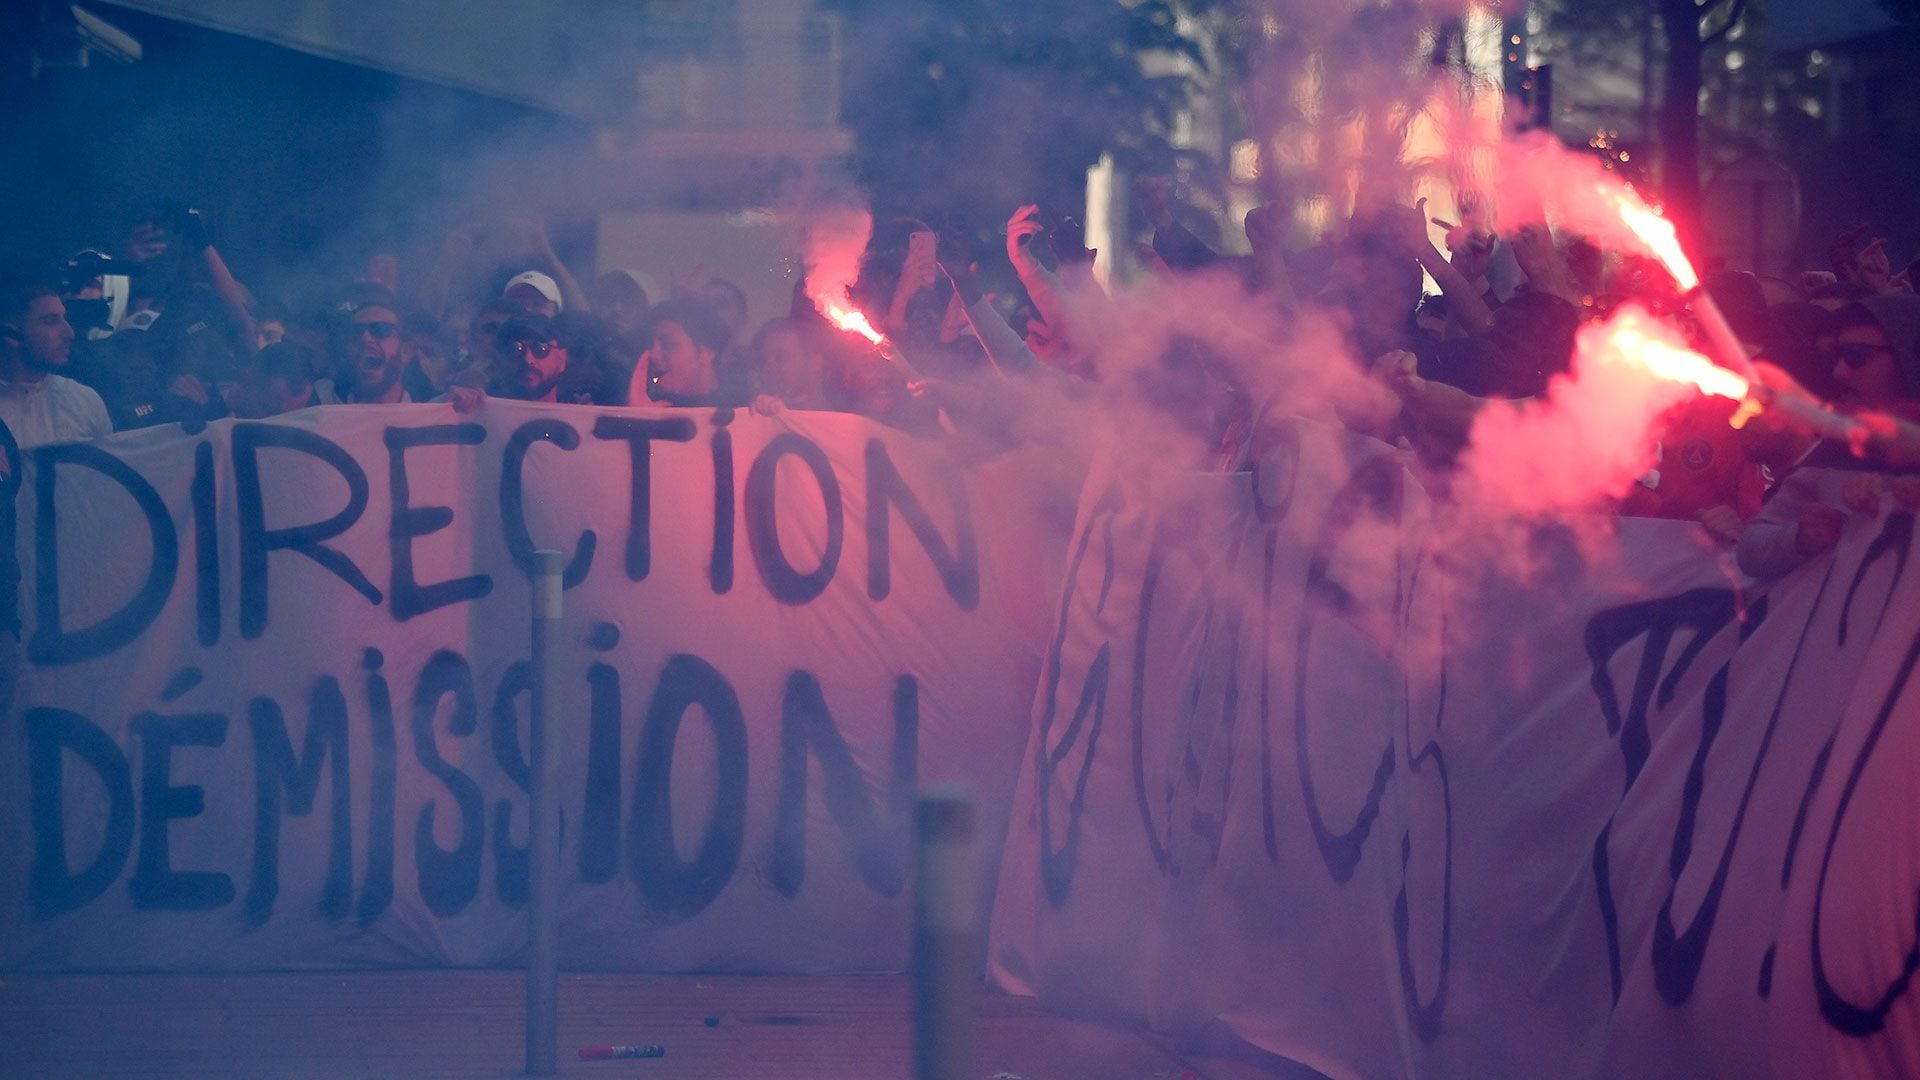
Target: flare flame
<point x="1635" y="338"/>
<point x="1654" y="232"/>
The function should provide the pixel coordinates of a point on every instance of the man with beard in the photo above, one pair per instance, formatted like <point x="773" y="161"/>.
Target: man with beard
<point x="37" y="403"/>
<point x="372" y="358"/>
<point x="533" y="359"/>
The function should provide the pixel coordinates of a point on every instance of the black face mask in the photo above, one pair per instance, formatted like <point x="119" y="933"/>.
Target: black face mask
<point x="85" y="315"/>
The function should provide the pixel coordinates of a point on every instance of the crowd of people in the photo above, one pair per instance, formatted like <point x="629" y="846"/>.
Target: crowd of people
<point x="160" y="331"/>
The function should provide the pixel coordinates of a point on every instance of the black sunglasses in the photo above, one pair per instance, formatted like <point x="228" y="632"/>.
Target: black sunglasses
<point x="1858" y="354"/>
<point x="537" y="348"/>
<point x="381" y="331"/>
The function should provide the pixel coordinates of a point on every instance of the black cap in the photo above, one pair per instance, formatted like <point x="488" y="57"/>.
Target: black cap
<point x="366" y="294"/>
<point x="529" y="328"/>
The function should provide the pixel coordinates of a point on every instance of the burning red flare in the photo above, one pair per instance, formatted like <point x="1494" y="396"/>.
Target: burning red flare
<point x="1634" y="337"/>
<point x="1654" y="231"/>
<point x="835" y="239"/>
<point x="849" y="319"/>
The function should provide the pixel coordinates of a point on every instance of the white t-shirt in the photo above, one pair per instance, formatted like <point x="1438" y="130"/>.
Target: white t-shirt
<point x="54" y="409"/>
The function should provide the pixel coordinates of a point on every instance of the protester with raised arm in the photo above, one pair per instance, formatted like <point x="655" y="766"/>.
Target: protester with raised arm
<point x="1466" y="307"/>
<point x="1024" y="232"/>
<point x="1004" y="349"/>
<point x="531" y="240"/>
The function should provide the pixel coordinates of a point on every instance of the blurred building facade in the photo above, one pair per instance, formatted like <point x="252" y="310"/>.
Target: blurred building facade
<point x="635" y="128"/>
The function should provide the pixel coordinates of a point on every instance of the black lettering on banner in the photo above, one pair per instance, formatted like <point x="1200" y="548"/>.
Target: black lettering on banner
<point x="449" y="878"/>
<point x="155" y="883"/>
<point x="513" y="500"/>
<point x="600" y="816"/>
<point x="1894" y="542"/>
<point x="257" y="541"/>
<point x="958" y="567"/>
<point x="1677" y="956"/>
<point x="1855" y="1018"/>
<point x="673" y="887"/>
<point x="276" y="769"/>
<point x="512" y="863"/>
<point x="1426" y="1016"/>
<point x="1209" y="822"/>
<point x="1852" y="1017"/>
<point x="376" y="892"/>
<point x="1373" y="489"/>
<point x="1222" y="620"/>
<point x="10" y="532"/>
<point x="1609" y="911"/>
<point x="206" y="547"/>
<point x="51" y="642"/>
<point x="881" y="841"/>
<point x="788" y="585"/>
<point x="54" y="886"/>
<point x="639" y="435"/>
<point x="1704" y="611"/>
<point x="1057" y="864"/>
<point x="1269" y="826"/>
<point x="409" y="523"/>
<point x="1276" y="480"/>
<point x="720" y="569"/>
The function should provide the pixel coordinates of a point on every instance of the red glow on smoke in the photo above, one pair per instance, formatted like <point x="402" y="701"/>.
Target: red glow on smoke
<point x="836" y="237"/>
<point x="1654" y="232"/>
<point x="1634" y="338"/>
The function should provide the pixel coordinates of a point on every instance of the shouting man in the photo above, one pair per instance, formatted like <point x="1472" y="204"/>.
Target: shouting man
<point x="371" y="354"/>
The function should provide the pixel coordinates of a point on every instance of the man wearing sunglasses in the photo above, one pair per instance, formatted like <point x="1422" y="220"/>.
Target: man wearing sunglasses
<point x="1876" y="364"/>
<point x="1876" y="353"/>
<point x="373" y="354"/>
<point x="533" y="358"/>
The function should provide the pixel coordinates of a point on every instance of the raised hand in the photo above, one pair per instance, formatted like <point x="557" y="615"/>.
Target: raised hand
<point x="1407" y="225"/>
<point x="1022" y="227"/>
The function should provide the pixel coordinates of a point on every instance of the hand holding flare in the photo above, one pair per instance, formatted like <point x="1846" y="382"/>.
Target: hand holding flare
<point x="848" y="318"/>
<point x="1657" y="235"/>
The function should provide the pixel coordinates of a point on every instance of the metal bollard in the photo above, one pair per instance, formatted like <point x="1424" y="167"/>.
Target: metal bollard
<point x="946" y="938"/>
<point x="543" y="823"/>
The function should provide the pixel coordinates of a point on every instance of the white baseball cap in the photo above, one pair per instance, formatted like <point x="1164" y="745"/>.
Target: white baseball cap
<point x="540" y="283"/>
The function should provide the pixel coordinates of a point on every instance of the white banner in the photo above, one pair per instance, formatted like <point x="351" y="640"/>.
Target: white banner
<point x="1291" y="777"/>
<point x="274" y="696"/>
<point x="1297" y="782"/>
